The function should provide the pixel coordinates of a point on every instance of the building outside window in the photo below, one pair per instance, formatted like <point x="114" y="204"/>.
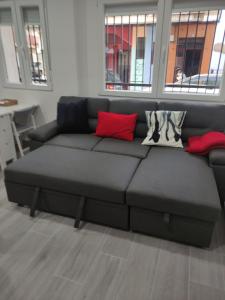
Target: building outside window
<point x="196" y="55"/>
<point x="129" y="51"/>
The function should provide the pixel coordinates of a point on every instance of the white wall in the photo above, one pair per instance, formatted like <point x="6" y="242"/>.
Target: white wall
<point x="87" y="41"/>
<point x="63" y="54"/>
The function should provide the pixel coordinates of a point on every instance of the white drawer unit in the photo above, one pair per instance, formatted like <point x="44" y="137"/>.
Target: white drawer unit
<point x="7" y="145"/>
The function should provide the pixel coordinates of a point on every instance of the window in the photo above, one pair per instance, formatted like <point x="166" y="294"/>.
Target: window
<point x="9" y="47"/>
<point x="166" y="49"/>
<point x="35" y="45"/>
<point x="129" y="48"/>
<point x="25" y="55"/>
<point x="196" y="55"/>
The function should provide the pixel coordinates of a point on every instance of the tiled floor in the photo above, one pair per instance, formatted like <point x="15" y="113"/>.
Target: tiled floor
<point x="46" y="259"/>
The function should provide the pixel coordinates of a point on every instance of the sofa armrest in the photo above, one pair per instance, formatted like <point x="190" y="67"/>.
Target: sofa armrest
<point x="217" y="163"/>
<point x="45" y="132"/>
<point x="217" y="157"/>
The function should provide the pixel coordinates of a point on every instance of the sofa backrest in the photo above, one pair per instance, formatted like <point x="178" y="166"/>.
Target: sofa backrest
<point x="128" y="106"/>
<point x="93" y="105"/>
<point x="200" y="118"/>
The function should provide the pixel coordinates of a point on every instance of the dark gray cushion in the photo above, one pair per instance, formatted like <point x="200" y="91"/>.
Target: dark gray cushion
<point x="115" y="146"/>
<point x="217" y="157"/>
<point x="73" y="117"/>
<point x="94" y="105"/>
<point x="174" y="181"/>
<point x="200" y="117"/>
<point x="130" y="106"/>
<point x="96" y="175"/>
<point x="80" y="141"/>
<point x="217" y="162"/>
<point x="45" y="132"/>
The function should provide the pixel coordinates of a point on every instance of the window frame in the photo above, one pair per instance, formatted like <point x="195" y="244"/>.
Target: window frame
<point x="17" y="12"/>
<point x="101" y="26"/>
<point x="164" y="56"/>
<point x="163" y="27"/>
<point x="3" y="71"/>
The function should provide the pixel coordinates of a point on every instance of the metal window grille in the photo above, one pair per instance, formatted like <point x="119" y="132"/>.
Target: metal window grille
<point x="196" y="64"/>
<point x="129" y="51"/>
<point x="36" y="53"/>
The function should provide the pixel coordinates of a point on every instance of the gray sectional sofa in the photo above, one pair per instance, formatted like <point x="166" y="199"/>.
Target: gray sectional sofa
<point x="160" y="191"/>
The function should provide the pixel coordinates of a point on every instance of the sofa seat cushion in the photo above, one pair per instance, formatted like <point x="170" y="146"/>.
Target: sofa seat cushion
<point x="101" y="176"/>
<point x="115" y="146"/>
<point x="172" y="181"/>
<point x="78" y="141"/>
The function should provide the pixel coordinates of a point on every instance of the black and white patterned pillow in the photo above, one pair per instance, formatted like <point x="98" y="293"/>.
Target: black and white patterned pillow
<point x="164" y="128"/>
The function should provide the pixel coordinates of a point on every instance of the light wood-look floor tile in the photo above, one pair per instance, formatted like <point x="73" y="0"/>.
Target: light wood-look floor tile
<point x="207" y="268"/>
<point x="136" y="276"/>
<point x="118" y="243"/>
<point x="76" y="265"/>
<point x="58" y="288"/>
<point x="100" y="278"/>
<point x="174" y="259"/>
<point x="201" y="292"/>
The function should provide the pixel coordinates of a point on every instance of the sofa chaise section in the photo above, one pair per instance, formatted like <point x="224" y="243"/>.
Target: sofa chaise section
<point x="103" y="177"/>
<point x="174" y="195"/>
<point x="201" y="118"/>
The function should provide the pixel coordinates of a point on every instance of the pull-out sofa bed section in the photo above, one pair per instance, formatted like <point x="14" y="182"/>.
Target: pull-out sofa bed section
<point x="160" y="191"/>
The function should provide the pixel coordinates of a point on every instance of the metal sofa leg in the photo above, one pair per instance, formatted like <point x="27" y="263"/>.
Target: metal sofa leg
<point x="79" y="212"/>
<point x="34" y="202"/>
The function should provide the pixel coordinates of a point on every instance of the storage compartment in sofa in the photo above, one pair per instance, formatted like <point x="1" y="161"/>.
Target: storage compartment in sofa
<point x="105" y="213"/>
<point x="177" y="185"/>
<point x="171" y="227"/>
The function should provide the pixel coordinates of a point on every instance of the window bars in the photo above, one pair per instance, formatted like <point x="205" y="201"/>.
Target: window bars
<point x="129" y="51"/>
<point x="196" y="53"/>
<point x="36" y="53"/>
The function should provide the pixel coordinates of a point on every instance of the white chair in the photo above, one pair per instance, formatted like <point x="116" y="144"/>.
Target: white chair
<point x="22" y="122"/>
<point x="2" y="163"/>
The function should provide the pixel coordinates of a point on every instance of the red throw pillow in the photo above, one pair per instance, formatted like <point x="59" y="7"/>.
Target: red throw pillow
<point x="203" y="144"/>
<point x="117" y="126"/>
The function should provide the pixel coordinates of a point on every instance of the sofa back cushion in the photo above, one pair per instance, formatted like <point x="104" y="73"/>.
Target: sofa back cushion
<point x="200" y="117"/>
<point x="94" y="105"/>
<point x="73" y="117"/>
<point x="128" y="106"/>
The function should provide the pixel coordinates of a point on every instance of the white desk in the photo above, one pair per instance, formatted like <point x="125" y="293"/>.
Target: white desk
<point x="7" y="144"/>
<point x="21" y="105"/>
